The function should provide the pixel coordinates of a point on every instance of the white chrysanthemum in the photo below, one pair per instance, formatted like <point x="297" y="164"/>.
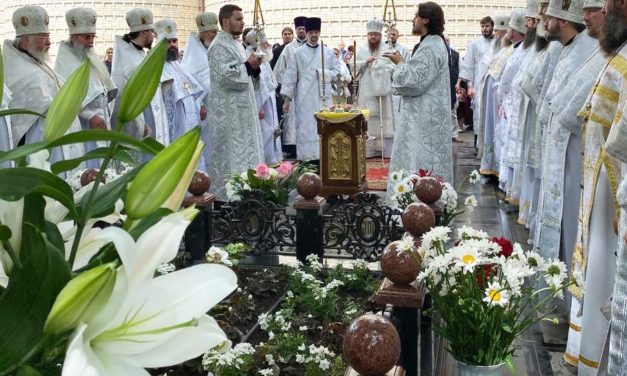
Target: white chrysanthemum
<point x="466" y="257"/>
<point x="402" y="188"/>
<point x="474" y="177"/>
<point x="470" y="202"/>
<point x="466" y="232"/>
<point x="397" y="176"/>
<point x="578" y="277"/>
<point x="406" y="244"/>
<point x="556" y="272"/>
<point x="496" y="295"/>
<point x="485" y="247"/>
<point x="449" y="197"/>
<point x="436" y="234"/>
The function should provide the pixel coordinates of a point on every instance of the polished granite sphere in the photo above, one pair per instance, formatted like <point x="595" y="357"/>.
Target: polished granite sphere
<point x="309" y="185"/>
<point x="418" y="219"/>
<point x="200" y="183"/>
<point x="428" y="189"/>
<point x="371" y="345"/>
<point x="401" y="268"/>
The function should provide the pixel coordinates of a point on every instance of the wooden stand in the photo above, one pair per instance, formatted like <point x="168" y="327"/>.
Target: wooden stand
<point x="342" y="155"/>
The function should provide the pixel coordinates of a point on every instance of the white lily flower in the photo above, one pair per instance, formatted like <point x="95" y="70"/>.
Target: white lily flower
<point x="11" y="215"/>
<point x="151" y="322"/>
<point x="4" y="279"/>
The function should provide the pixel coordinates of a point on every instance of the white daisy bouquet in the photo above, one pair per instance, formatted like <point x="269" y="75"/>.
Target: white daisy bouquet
<point x="450" y="200"/>
<point x="403" y="185"/>
<point x="484" y="291"/>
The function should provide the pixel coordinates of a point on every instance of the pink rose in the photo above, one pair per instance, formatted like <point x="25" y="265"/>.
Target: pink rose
<point x="262" y="171"/>
<point x="285" y="168"/>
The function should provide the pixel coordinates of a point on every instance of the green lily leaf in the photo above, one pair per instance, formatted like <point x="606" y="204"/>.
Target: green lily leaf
<point x="67" y="103"/>
<point x="1" y="77"/>
<point x="142" y="85"/>
<point x="108" y="194"/>
<point x="19" y="111"/>
<point x="68" y="164"/>
<point x="21" y="181"/>
<point x="31" y="292"/>
<point x="160" y="177"/>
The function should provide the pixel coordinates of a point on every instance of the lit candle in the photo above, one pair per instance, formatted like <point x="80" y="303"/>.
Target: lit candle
<point x="322" y="57"/>
<point x="354" y="60"/>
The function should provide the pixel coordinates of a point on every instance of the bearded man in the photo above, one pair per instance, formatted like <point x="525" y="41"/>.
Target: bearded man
<point x="129" y="52"/>
<point x="182" y="94"/>
<point x="32" y="81"/>
<point x="195" y="62"/>
<point x="95" y="111"/>
<point x="265" y="94"/>
<point x="374" y="71"/>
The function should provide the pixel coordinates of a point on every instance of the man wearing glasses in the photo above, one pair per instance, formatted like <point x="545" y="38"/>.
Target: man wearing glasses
<point x="32" y="81"/>
<point x="95" y="112"/>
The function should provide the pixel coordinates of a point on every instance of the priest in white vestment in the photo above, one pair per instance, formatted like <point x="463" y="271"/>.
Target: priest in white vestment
<point x="304" y="91"/>
<point x="195" y="62"/>
<point x="470" y="68"/>
<point x="32" y="81"/>
<point x="374" y="72"/>
<point x="561" y="169"/>
<point x="594" y="258"/>
<point x="235" y="131"/>
<point x="95" y="111"/>
<point x="280" y="68"/>
<point x="6" y="139"/>
<point x="129" y="52"/>
<point x="182" y="94"/>
<point x="423" y="135"/>
<point x="265" y="94"/>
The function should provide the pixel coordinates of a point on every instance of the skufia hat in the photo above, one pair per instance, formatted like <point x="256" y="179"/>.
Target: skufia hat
<point x="81" y="21"/>
<point x="139" y="19"/>
<point x="517" y="20"/>
<point x="299" y="21"/>
<point x="166" y="29"/>
<point x="501" y="22"/>
<point x="568" y="10"/>
<point x="533" y="9"/>
<point x="374" y="26"/>
<point x="207" y="21"/>
<point x="593" y="4"/>
<point x="30" y="20"/>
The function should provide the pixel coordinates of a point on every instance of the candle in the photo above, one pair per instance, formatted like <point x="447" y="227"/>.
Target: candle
<point x="385" y="9"/>
<point x="354" y="60"/>
<point x="322" y="56"/>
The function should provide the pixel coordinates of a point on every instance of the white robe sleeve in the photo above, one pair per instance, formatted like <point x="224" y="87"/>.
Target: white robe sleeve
<point x="228" y="70"/>
<point x="290" y="78"/>
<point x="414" y="77"/>
<point x="467" y="63"/>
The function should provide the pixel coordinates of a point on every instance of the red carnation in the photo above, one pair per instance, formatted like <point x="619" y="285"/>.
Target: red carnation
<point x="506" y="246"/>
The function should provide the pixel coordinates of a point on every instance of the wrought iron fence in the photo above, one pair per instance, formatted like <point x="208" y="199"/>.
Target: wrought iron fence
<point x="356" y="228"/>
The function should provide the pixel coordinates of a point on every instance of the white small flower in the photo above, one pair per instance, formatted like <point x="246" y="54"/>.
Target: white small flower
<point x="496" y="295"/>
<point x="302" y="328"/>
<point x="300" y="359"/>
<point x="267" y="371"/>
<point x="270" y="359"/>
<point x="244" y="176"/>
<point x="397" y="176"/>
<point x="466" y="232"/>
<point x="437" y="234"/>
<point x="302" y="347"/>
<point x="402" y="188"/>
<point x="290" y="294"/>
<point x="216" y="255"/>
<point x="166" y="268"/>
<point x="470" y="202"/>
<point x="466" y="258"/>
<point x="406" y="244"/>
<point x="578" y="277"/>
<point x="270" y="335"/>
<point x="474" y="177"/>
<point x="324" y="364"/>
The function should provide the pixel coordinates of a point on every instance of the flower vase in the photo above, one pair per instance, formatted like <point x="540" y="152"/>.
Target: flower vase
<point x="475" y="370"/>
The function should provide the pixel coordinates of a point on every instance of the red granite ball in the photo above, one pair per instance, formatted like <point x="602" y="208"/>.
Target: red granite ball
<point x="428" y="189"/>
<point x="418" y="219"/>
<point x="371" y="345"/>
<point x="309" y="185"/>
<point x="90" y="175"/>
<point x="200" y="183"/>
<point x="401" y="268"/>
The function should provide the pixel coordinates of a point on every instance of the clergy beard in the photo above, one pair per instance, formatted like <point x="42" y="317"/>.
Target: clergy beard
<point x="374" y="46"/>
<point x="173" y="54"/>
<point x="97" y="65"/>
<point x="498" y="44"/>
<point x="530" y="37"/>
<point x="506" y="42"/>
<point x="205" y="43"/>
<point x="613" y="33"/>
<point x="541" y="43"/>
<point x="41" y="56"/>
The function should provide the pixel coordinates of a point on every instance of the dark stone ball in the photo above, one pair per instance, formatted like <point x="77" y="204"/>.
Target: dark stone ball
<point x="90" y="175"/>
<point x="309" y="185"/>
<point x="371" y="345"/>
<point x="400" y="268"/>
<point x="418" y="219"/>
<point x="428" y="189"/>
<point x="200" y="183"/>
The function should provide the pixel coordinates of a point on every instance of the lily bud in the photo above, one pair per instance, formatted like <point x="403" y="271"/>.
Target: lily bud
<point x="67" y="103"/>
<point x="176" y="198"/>
<point x="156" y="182"/>
<point x="81" y="299"/>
